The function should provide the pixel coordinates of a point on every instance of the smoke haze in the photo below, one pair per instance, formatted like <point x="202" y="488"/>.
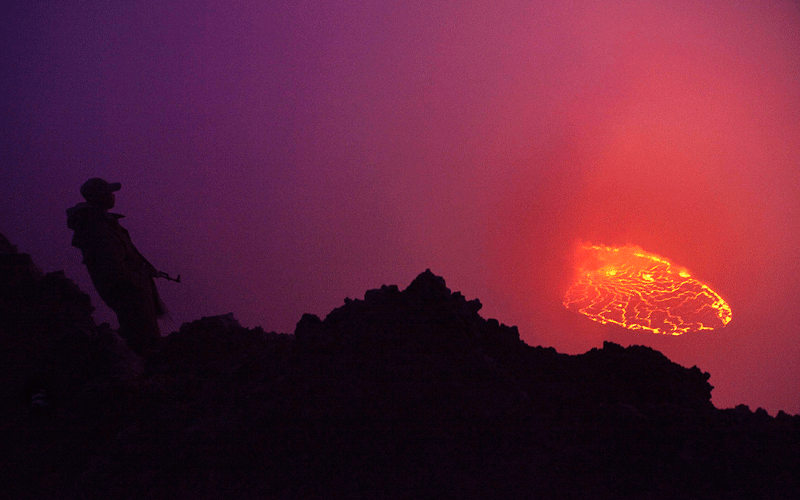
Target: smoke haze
<point x="282" y="156"/>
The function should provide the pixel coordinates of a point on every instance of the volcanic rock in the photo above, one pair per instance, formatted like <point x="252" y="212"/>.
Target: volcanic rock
<point x="402" y="394"/>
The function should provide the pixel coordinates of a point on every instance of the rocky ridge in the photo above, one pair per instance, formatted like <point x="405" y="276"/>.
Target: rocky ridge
<point x="406" y="393"/>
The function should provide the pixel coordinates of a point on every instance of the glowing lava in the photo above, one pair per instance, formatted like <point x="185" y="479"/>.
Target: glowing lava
<point x="642" y="291"/>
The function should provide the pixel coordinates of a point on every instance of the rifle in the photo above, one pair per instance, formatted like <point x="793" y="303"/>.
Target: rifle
<point x="162" y="274"/>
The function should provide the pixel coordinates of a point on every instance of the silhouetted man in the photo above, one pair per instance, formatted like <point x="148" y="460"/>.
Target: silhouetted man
<point x="122" y="276"/>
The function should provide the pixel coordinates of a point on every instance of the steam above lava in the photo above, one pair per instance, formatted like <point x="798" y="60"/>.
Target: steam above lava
<point x="639" y="290"/>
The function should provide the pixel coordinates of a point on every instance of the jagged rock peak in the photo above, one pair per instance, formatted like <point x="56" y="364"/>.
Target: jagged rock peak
<point x="426" y="300"/>
<point x="16" y="269"/>
<point x="220" y="324"/>
<point x="5" y="246"/>
<point x="643" y="376"/>
<point x="425" y="291"/>
<point x="429" y="286"/>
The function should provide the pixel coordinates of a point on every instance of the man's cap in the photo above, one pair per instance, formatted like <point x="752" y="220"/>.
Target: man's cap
<point x="97" y="187"/>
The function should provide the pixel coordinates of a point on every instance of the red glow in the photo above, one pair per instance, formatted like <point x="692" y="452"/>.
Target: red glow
<point x="283" y="155"/>
<point x="642" y="291"/>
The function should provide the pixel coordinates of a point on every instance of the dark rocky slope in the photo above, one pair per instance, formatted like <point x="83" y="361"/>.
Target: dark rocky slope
<point x="405" y="394"/>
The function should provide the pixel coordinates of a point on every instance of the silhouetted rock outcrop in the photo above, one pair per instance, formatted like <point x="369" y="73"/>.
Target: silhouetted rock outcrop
<point x="404" y="394"/>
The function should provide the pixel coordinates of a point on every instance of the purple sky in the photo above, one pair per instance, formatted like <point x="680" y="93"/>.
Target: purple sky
<point x="282" y="156"/>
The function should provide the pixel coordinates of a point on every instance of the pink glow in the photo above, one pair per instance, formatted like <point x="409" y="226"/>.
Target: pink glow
<point x="282" y="156"/>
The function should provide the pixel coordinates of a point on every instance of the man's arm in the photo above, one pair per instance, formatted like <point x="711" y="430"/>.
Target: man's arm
<point x="106" y="253"/>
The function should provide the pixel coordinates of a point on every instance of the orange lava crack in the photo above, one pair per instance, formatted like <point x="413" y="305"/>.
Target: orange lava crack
<point x="642" y="291"/>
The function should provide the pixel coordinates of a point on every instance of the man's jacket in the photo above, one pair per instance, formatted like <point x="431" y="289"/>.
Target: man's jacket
<point x="113" y="262"/>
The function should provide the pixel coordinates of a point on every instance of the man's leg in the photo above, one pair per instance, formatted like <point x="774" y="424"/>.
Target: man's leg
<point x="138" y="324"/>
